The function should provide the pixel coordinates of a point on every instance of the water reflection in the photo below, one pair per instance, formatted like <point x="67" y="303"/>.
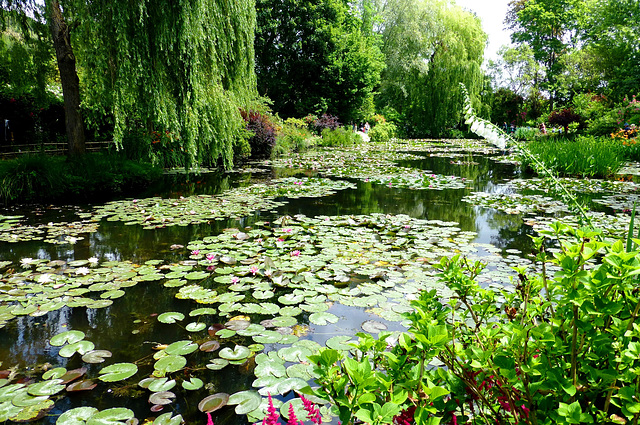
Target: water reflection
<point x="128" y="328"/>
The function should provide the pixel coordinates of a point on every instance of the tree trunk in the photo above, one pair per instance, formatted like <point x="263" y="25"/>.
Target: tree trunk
<point x="69" y="79"/>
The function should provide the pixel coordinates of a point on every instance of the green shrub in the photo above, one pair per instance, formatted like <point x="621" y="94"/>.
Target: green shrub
<point x="341" y="136"/>
<point x="559" y="348"/>
<point x="526" y="133"/>
<point x="382" y="132"/>
<point x="292" y="137"/>
<point x="585" y="156"/>
<point x="30" y="178"/>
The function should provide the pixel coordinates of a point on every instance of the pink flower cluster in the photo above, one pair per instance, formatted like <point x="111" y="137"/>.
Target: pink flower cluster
<point x="313" y="413"/>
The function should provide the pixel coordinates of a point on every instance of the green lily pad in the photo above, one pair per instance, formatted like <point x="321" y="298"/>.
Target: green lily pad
<point x="33" y="412"/>
<point x="323" y="318"/>
<point x="96" y="356"/>
<point x="69" y="337"/>
<point x="246" y="401"/>
<point x="339" y="343"/>
<point x="22" y="399"/>
<point x="195" y="326"/>
<point x="118" y="372"/>
<point x="160" y="385"/>
<point x="170" y="364"/>
<point x="46" y="388"/>
<point x="181" y="348"/>
<point x="54" y="373"/>
<point x="162" y="398"/>
<point x="192" y="384"/>
<point x="201" y="311"/>
<point x="373" y="326"/>
<point x="114" y="416"/>
<point x="168" y="419"/>
<point x="8" y="410"/>
<point x="170" y="317"/>
<point x="238" y="353"/>
<point x="213" y="402"/>
<point x="76" y="416"/>
<point x="81" y="347"/>
<point x="217" y="364"/>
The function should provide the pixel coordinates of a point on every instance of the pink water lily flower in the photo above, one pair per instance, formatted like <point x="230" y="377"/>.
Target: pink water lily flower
<point x="295" y="253"/>
<point x="253" y="270"/>
<point x="195" y="252"/>
<point x="211" y="256"/>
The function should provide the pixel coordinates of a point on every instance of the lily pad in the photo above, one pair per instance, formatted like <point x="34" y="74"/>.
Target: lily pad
<point x="114" y="416"/>
<point x="46" y="388"/>
<point x="373" y="326"/>
<point x="169" y="364"/>
<point x="118" y="372"/>
<point x="246" y="401"/>
<point x="168" y="419"/>
<point x="84" y="385"/>
<point x="217" y="364"/>
<point x="238" y="353"/>
<point x="209" y="346"/>
<point x="96" y="356"/>
<point x="181" y="348"/>
<point x="195" y="326"/>
<point x="76" y="416"/>
<point x="323" y="318"/>
<point x="81" y="347"/>
<point x="192" y="384"/>
<point x="161" y="385"/>
<point x="170" y="317"/>
<point x="69" y="337"/>
<point x="162" y="398"/>
<point x="213" y="402"/>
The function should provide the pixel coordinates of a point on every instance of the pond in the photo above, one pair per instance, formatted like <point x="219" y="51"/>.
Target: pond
<point x="221" y="284"/>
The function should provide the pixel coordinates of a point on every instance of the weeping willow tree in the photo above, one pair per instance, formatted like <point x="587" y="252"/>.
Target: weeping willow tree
<point x="431" y="47"/>
<point x="182" y="68"/>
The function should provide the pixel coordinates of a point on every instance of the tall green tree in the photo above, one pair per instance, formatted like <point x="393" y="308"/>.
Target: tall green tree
<point x="611" y="33"/>
<point x="184" y="68"/>
<point x="431" y="47"/>
<point x="315" y="56"/>
<point x="550" y="28"/>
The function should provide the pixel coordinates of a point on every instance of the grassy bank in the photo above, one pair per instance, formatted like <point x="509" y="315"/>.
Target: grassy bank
<point x="44" y="178"/>
<point x="584" y="156"/>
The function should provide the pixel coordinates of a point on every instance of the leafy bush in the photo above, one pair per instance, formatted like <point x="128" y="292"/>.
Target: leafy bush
<point x="586" y="156"/>
<point x="339" y="137"/>
<point x="564" y="117"/>
<point x="559" y="348"/>
<point x="326" y="121"/>
<point x="382" y="132"/>
<point x="526" y="133"/>
<point x="264" y="134"/>
<point x="293" y="137"/>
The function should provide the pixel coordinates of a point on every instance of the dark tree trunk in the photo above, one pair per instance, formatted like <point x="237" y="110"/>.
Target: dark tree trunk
<point x="69" y="79"/>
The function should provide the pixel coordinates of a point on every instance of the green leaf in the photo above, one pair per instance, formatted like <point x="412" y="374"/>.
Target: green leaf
<point x="192" y="384"/>
<point x="169" y="364"/>
<point x="167" y="419"/>
<point x="118" y="372"/>
<point x="238" y="353"/>
<point x="247" y="401"/>
<point x="114" y="416"/>
<point x="170" y="317"/>
<point x="81" y="347"/>
<point x="213" y="402"/>
<point x="46" y="388"/>
<point x="69" y="337"/>
<point x="77" y="416"/>
<point x="181" y="348"/>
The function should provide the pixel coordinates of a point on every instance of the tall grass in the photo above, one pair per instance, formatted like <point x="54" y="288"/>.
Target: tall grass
<point x="584" y="156"/>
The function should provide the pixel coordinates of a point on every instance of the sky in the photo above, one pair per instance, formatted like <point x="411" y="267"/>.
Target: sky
<point x="492" y="14"/>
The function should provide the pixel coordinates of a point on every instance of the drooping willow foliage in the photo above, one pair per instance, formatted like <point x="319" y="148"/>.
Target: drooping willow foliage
<point x="183" y="68"/>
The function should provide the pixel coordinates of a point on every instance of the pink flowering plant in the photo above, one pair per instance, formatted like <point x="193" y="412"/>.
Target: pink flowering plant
<point x="563" y="347"/>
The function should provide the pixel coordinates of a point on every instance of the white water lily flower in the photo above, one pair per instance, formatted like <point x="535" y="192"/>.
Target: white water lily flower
<point x="93" y="261"/>
<point x="82" y="271"/>
<point x="26" y="262"/>
<point x="45" y="278"/>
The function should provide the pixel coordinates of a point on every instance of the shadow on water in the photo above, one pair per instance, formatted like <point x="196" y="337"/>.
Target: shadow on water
<point x="128" y="328"/>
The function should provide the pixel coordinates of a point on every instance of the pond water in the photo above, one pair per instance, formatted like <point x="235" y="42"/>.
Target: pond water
<point x="360" y="229"/>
